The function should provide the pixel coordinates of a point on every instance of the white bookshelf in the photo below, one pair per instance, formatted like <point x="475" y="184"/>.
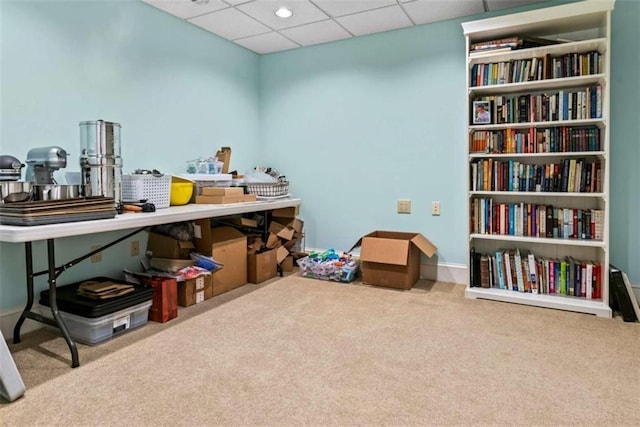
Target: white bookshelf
<point x="583" y="27"/>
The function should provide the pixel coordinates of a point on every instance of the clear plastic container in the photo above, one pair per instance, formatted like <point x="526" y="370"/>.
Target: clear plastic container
<point x="94" y="331"/>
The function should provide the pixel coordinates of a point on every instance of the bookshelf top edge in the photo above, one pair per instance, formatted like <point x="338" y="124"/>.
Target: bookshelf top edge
<point x="584" y="14"/>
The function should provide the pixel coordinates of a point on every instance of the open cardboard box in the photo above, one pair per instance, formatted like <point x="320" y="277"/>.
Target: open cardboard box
<point x="392" y="258"/>
<point x="262" y="266"/>
<point x="161" y="246"/>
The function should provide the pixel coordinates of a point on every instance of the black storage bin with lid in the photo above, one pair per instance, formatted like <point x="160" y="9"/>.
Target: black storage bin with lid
<point x="69" y="301"/>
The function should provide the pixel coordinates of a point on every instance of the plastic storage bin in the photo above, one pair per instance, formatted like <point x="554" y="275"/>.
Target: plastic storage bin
<point x="155" y="189"/>
<point x="70" y="302"/>
<point x="99" y="329"/>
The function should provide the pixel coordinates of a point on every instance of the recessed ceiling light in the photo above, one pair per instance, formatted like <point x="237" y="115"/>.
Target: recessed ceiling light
<point x="283" y="12"/>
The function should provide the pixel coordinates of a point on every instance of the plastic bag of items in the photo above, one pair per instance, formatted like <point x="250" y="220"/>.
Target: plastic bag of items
<point x="329" y="265"/>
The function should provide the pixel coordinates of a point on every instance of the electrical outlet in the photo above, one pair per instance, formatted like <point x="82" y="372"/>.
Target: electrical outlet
<point x="135" y="248"/>
<point x="435" y="208"/>
<point x="404" y="206"/>
<point x="96" y="257"/>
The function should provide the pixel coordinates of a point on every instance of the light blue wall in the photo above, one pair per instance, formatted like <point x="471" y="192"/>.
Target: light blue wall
<point x="625" y="138"/>
<point x="359" y="123"/>
<point x="355" y="124"/>
<point x="178" y="91"/>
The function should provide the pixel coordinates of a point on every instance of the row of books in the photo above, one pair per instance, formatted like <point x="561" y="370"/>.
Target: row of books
<point x="563" y="105"/>
<point x="533" y="69"/>
<point x="535" y="220"/>
<point x="518" y="271"/>
<point x="562" y="139"/>
<point x="569" y="176"/>
<point x="509" y="43"/>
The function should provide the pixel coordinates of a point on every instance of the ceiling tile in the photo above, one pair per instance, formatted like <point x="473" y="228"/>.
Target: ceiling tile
<point x="237" y="2"/>
<point x="304" y="12"/>
<point x="505" y="4"/>
<point x="267" y="43"/>
<point x="423" y="11"/>
<point x="347" y="7"/>
<point x="375" y="21"/>
<point x="186" y="8"/>
<point x="230" y="24"/>
<point x="316" y="33"/>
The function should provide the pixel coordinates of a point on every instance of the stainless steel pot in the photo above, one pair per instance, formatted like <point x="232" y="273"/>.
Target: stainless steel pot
<point x="14" y="187"/>
<point x="60" y="192"/>
<point x="100" y="160"/>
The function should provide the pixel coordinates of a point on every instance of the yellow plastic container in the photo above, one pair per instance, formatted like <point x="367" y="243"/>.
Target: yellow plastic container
<point x="181" y="191"/>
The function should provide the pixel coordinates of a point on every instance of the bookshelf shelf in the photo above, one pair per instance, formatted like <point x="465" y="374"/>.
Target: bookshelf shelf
<point x="559" y="302"/>
<point x="539" y="240"/>
<point x="541" y="156"/>
<point x="599" y="44"/>
<point x="538" y="85"/>
<point x="549" y="124"/>
<point x="521" y="194"/>
<point x="572" y="153"/>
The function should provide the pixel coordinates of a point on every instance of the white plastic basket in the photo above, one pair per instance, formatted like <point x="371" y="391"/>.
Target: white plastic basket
<point x="155" y="189"/>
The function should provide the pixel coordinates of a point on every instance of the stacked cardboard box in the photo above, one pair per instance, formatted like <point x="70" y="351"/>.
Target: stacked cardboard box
<point x="195" y="290"/>
<point x="224" y="195"/>
<point x="228" y="247"/>
<point x="286" y="234"/>
<point x="171" y="255"/>
<point x="162" y="246"/>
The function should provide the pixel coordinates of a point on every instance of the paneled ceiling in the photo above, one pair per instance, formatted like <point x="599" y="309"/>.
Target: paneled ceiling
<point x="254" y="24"/>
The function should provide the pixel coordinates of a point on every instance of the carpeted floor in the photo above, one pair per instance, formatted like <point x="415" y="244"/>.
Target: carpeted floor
<point x="298" y="351"/>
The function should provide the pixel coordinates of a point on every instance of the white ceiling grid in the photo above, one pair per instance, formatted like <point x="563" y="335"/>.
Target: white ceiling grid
<point x="253" y="24"/>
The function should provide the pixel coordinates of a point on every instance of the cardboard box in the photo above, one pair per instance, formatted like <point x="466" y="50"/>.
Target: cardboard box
<point x="281" y="231"/>
<point x="170" y="265"/>
<point x="195" y="290"/>
<point x="392" y="258"/>
<point x="281" y="254"/>
<point x="244" y="222"/>
<point x="287" y="264"/>
<point x="262" y="266"/>
<point x="228" y="247"/>
<point x="290" y="212"/>
<point x="161" y="246"/>
<point x="272" y="241"/>
<point x="222" y="191"/>
<point x="222" y="200"/>
<point x="224" y="155"/>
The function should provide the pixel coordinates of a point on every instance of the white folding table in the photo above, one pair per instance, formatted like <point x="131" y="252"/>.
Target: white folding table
<point x="127" y="221"/>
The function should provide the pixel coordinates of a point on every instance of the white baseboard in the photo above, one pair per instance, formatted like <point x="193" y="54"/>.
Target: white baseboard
<point x="8" y="320"/>
<point x="450" y="273"/>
